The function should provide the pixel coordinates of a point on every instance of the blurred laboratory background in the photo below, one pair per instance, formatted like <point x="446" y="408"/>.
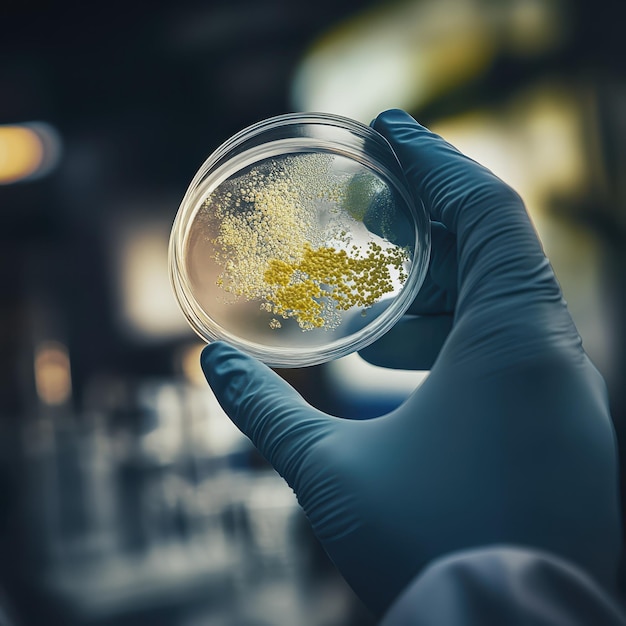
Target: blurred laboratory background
<point x="126" y="495"/>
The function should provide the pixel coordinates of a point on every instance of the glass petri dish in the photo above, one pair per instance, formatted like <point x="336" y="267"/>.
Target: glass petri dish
<point x="299" y="241"/>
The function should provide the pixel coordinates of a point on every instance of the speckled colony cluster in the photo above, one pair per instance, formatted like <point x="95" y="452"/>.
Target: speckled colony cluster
<point x="272" y="248"/>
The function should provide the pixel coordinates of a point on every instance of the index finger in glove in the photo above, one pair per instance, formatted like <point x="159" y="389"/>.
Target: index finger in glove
<point x="506" y="286"/>
<point x="496" y="243"/>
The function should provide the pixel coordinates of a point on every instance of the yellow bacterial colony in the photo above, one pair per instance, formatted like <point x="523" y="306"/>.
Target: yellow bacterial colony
<point x="302" y="288"/>
<point x="272" y="247"/>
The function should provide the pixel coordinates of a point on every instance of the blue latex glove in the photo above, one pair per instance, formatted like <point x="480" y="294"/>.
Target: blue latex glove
<point x="508" y="440"/>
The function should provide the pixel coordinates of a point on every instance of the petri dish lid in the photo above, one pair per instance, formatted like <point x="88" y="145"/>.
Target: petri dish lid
<point x="299" y="240"/>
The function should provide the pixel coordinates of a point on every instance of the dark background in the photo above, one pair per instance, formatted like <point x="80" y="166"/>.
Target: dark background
<point x="139" y="94"/>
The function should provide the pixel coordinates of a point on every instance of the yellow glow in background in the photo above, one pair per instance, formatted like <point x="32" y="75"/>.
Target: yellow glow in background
<point x="27" y="151"/>
<point x="21" y="153"/>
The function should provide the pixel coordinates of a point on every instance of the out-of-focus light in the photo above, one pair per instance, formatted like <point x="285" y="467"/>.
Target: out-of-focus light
<point x="535" y="144"/>
<point x="27" y="151"/>
<point x="53" y="379"/>
<point x="354" y="375"/>
<point x="148" y="309"/>
<point x="533" y="27"/>
<point x="189" y="359"/>
<point x="408" y="53"/>
<point x="398" y="55"/>
<point x="21" y="153"/>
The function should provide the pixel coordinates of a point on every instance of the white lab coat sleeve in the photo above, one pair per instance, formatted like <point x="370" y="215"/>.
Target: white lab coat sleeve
<point x="504" y="586"/>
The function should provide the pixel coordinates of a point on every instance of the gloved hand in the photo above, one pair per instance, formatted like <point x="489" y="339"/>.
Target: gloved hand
<point x="508" y="440"/>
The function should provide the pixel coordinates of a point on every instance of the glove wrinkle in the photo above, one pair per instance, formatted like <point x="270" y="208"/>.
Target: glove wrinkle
<point x="329" y="507"/>
<point x="265" y="408"/>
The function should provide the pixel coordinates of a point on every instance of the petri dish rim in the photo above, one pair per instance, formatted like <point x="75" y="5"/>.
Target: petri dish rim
<point x="231" y="157"/>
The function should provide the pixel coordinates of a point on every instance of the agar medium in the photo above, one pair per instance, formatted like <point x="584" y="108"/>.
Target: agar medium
<point x="299" y="241"/>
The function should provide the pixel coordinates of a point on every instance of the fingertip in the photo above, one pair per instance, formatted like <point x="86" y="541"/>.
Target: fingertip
<point x="391" y="117"/>
<point x="237" y="379"/>
<point x="209" y="353"/>
<point x="388" y="114"/>
<point x="216" y="359"/>
<point x="214" y="349"/>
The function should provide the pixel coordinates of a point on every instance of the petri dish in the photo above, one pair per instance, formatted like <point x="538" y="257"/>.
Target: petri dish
<point x="299" y="241"/>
